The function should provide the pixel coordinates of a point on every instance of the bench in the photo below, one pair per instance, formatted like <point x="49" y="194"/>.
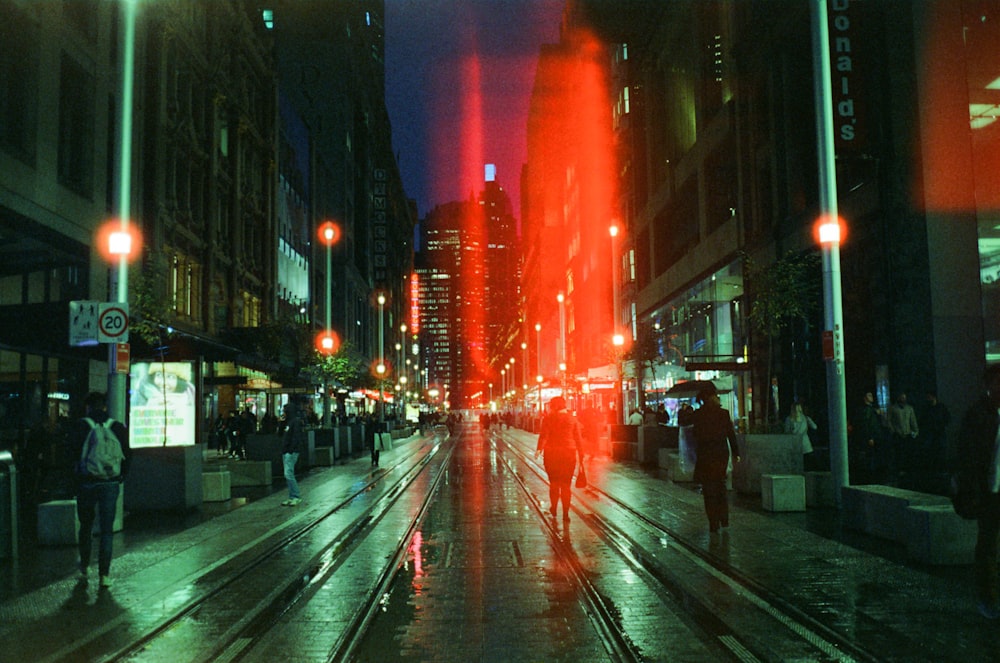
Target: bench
<point x="783" y="492"/>
<point x="880" y="510"/>
<point x="935" y="534"/>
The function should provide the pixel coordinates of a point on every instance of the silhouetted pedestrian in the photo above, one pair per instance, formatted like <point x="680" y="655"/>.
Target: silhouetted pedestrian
<point x="903" y="431"/>
<point x="979" y="475"/>
<point x="714" y="438"/>
<point x="560" y="444"/>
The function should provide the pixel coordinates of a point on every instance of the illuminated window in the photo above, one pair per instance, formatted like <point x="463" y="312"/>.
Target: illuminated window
<point x="185" y="287"/>
<point x="251" y="310"/>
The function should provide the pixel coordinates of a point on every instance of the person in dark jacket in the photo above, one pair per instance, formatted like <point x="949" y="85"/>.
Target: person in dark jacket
<point x="560" y="444"/>
<point x="292" y="443"/>
<point x="979" y="473"/>
<point x="97" y="494"/>
<point x="715" y="438"/>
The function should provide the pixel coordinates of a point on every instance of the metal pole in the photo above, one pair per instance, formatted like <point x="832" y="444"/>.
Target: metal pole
<point x="832" y="301"/>
<point x="116" y="381"/>
<point x="329" y="306"/>
<point x="381" y="362"/>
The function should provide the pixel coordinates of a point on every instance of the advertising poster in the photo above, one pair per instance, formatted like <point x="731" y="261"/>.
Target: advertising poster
<point x="162" y="404"/>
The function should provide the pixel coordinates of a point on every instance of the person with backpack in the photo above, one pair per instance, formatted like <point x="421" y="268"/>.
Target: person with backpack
<point x="101" y="457"/>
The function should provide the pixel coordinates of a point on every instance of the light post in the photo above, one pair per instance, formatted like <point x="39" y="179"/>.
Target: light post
<point x="121" y="245"/>
<point x="329" y="233"/>
<point x="491" y="395"/>
<point x="616" y="304"/>
<point x="829" y="231"/>
<point x="503" y="383"/>
<point x="381" y="359"/>
<point x="538" y="378"/>
<point x="117" y="380"/>
<point x="538" y="348"/>
<point x="618" y="341"/>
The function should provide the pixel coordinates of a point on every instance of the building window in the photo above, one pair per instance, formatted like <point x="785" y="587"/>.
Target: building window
<point x="185" y="288"/>
<point x="18" y="86"/>
<point x="251" y="310"/>
<point x="76" y="127"/>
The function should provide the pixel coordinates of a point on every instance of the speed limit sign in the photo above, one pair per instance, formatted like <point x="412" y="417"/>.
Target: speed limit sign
<point x="112" y="323"/>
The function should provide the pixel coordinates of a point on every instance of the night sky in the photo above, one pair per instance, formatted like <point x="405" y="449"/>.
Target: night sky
<point x="458" y="81"/>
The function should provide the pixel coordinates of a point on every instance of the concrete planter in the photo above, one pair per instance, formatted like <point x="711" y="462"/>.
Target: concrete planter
<point x="766" y="454"/>
<point x="164" y="479"/>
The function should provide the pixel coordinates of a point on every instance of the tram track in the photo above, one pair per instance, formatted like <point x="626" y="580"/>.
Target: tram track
<point x="236" y="580"/>
<point x="654" y="550"/>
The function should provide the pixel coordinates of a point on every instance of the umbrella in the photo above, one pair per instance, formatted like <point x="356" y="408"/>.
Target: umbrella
<point x="688" y="389"/>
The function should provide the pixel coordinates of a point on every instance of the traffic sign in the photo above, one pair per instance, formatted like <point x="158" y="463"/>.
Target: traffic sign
<point x="112" y="323"/>
<point x="83" y="322"/>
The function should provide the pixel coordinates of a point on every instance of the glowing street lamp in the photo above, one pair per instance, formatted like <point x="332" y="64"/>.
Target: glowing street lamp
<point x="329" y="234"/>
<point x="119" y="241"/>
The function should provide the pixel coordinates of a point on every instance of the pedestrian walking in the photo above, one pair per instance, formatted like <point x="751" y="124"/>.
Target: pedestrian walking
<point x="292" y="443"/>
<point x="101" y="461"/>
<point x="903" y="430"/>
<point x="798" y="423"/>
<point x="561" y="445"/>
<point x="869" y="443"/>
<point x="714" y="438"/>
<point x="979" y="475"/>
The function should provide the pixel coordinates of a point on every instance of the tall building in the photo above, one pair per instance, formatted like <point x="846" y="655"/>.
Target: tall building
<point x="725" y="169"/>
<point x="468" y="266"/>
<point x="331" y="63"/>
<point x="501" y="284"/>
<point x="568" y="208"/>
<point x="438" y="263"/>
<point x="230" y="176"/>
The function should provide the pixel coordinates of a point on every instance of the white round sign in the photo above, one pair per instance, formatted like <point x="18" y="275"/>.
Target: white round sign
<point x="112" y="323"/>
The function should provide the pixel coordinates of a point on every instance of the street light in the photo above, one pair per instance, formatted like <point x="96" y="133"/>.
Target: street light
<point x="381" y="359"/>
<point x="616" y="304"/>
<point x="538" y="348"/>
<point x="329" y="234"/>
<point x="121" y="241"/>
<point x="829" y="233"/>
<point x="619" y="341"/>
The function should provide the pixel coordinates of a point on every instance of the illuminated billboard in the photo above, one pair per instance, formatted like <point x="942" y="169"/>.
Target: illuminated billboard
<point x="162" y="401"/>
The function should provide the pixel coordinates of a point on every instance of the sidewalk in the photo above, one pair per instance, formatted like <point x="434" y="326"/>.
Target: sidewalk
<point x="856" y="585"/>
